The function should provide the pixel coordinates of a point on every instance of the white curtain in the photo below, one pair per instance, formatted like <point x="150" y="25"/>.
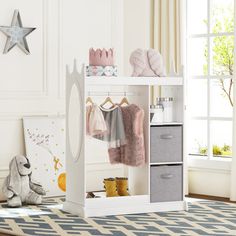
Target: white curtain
<point x="168" y="36"/>
<point x="167" y="32"/>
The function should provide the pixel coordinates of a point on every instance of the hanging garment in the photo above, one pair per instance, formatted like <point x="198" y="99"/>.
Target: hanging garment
<point x="96" y="124"/>
<point x="88" y="110"/>
<point x="115" y="135"/>
<point x="133" y="153"/>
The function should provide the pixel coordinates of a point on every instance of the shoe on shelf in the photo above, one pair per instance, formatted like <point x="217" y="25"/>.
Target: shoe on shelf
<point x="90" y="195"/>
<point x="122" y="186"/>
<point x="110" y="187"/>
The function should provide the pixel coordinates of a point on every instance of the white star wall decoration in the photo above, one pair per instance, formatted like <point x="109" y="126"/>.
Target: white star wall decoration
<point x="16" y="34"/>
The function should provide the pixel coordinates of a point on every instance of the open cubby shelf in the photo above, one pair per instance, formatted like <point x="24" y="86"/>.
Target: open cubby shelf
<point x="127" y="80"/>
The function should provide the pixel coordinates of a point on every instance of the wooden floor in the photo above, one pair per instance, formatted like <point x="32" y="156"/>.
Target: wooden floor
<point x="206" y="197"/>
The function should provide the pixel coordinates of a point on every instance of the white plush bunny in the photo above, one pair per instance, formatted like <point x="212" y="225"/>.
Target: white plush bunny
<point x="18" y="187"/>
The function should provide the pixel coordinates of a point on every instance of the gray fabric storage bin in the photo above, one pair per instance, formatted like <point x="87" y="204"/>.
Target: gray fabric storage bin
<point x="166" y="183"/>
<point x="166" y="144"/>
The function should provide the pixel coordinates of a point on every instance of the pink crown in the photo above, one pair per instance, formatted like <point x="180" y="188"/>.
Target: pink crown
<point x="101" y="57"/>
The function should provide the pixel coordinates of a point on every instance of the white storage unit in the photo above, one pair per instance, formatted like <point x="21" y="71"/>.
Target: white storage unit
<point x="156" y="186"/>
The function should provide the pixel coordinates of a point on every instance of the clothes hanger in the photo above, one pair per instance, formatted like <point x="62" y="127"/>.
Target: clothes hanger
<point x="124" y="101"/>
<point x="89" y="100"/>
<point x="108" y="100"/>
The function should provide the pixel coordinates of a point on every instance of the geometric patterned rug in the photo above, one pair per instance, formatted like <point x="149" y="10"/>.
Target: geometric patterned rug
<point x="203" y="218"/>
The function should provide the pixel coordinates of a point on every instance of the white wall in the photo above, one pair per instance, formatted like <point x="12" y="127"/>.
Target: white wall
<point x="91" y="23"/>
<point x="136" y="28"/>
<point x="34" y="84"/>
<point x="209" y="182"/>
<point x="209" y="177"/>
<point x="29" y="85"/>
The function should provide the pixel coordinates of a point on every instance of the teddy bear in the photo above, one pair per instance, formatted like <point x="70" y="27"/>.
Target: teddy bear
<point x="18" y="186"/>
<point x="147" y="63"/>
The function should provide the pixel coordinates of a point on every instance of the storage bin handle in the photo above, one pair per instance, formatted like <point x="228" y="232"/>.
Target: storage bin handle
<point x="166" y="136"/>
<point x="167" y="176"/>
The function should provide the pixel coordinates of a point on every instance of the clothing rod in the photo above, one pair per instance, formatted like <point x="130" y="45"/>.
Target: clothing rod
<point x="111" y="94"/>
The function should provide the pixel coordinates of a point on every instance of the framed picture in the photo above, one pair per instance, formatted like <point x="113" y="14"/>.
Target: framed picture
<point x="45" y="148"/>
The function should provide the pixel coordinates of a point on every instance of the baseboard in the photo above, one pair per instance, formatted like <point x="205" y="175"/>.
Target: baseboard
<point x="3" y="175"/>
<point x="207" y="197"/>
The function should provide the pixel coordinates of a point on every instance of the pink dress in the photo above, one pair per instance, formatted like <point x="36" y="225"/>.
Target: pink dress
<point x="133" y="152"/>
<point x="95" y="123"/>
<point x="88" y="110"/>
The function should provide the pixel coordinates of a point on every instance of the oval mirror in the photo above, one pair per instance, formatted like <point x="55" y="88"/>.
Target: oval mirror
<point x="75" y="129"/>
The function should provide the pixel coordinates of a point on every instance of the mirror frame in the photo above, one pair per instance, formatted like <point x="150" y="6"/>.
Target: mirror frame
<point x="73" y="80"/>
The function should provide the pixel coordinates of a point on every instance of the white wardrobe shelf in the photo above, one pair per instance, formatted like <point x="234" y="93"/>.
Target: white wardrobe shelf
<point x="96" y="80"/>
<point x="165" y="123"/>
<point x="147" y="190"/>
<point x="114" y="201"/>
<point x="165" y="163"/>
<point x="134" y="204"/>
<point x="126" y="205"/>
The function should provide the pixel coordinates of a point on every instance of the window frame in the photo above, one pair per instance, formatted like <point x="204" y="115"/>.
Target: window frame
<point x="208" y="118"/>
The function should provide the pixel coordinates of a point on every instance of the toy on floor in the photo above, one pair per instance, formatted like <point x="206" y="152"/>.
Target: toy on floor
<point x="18" y="186"/>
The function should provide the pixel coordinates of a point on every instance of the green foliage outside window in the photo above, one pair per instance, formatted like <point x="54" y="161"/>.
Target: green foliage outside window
<point x="223" y="151"/>
<point x="222" y="64"/>
<point x="223" y="50"/>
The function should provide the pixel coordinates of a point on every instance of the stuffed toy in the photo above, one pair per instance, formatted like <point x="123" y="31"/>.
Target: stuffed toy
<point x="147" y="63"/>
<point x="18" y="186"/>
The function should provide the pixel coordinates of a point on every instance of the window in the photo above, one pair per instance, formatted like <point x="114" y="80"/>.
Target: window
<point x="210" y="64"/>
